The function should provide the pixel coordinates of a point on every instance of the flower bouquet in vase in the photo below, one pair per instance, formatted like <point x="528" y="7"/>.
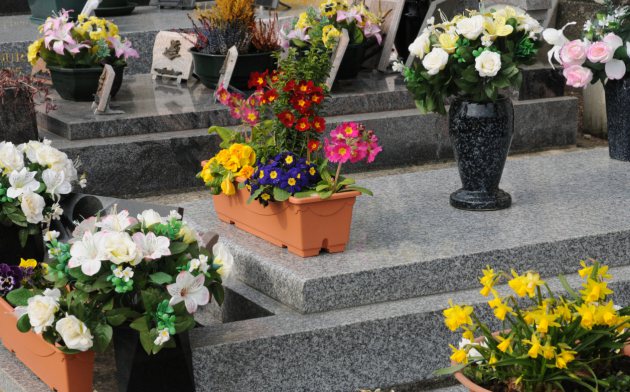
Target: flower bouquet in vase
<point x="473" y="57"/>
<point x="273" y="179"/>
<point x="601" y="54"/>
<point x="549" y="341"/>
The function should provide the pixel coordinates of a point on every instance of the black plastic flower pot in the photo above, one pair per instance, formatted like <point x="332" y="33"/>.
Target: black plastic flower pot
<point x="169" y="370"/>
<point x="414" y="12"/>
<point x="118" y="80"/>
<point x="18" y="121"/>
<point x="208" y="67"/>
<point x="481" y="134"/>
<point x="114" y="8"/>
<point x="617" y="103"/>
<point x="11" y="251"/>
<point x="42" y="9"/>
<point x="351" y="62"/>
<point x="76" y="84"/>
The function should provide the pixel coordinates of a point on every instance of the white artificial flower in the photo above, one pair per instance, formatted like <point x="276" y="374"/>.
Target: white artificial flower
<point x="152" y="246"/>
<point x="486" y="40"/>
<point x="116" y="222"/>
<point x="529" y="25"/>
<point x="421" y="45"/>
<point x="190" y="290"/>
<point x="188" y="235"/>
<point x="488" y="64"/>
<point x="173" y="214"/>
<point x="56" y="211"/>
<point x="125" y="274"/>
<point x="224" y="258"/>
<point x="200" y="264"/>
<point x="194" y="265"/>
<point x="11" y="158"/>
<point x="435" y="61"/>
<point x="51" y="235"/>
<point x="557" y="39"/>
<point x="163" y="337"/>
<point x="41" y="309"/>
<point x="119" y="248"/>
<point x="87" y="225"/>
<point x="32" y="206"/>
<point x="22" y="181"/>
<point x="29" y="149"/>
<point x="87" y="253"/>
<point x="398" y="66"/>
<point x="83" y="181"/>
<point x="75" y="333"/>
<point x="50" y="157"/>
<point x="149" y="218"/>
<point x="55" y="182"/>
<point x="470" y="28"/>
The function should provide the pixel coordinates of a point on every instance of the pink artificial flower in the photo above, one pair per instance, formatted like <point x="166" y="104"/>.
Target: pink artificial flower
<point x="373" y="30"/>
<point x="284" y="37"/>
<point x="223" y="96"/>
<point x="348" y="16"/>
<point x="349" y="130"/>
<point x="58" y="36"/>
<point x="190" y="290"/>
<point x="600" y="52"/>
<point x="577" y="76"/>
<point x="250" y="116"/>
<point x="573" y="53"/>
<point x="123" y="49"/>
<point x="299" y="34"/>
<point x="373" y="151"/>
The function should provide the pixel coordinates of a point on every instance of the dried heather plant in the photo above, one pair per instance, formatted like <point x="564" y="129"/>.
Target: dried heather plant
<point x="265" y="36"/>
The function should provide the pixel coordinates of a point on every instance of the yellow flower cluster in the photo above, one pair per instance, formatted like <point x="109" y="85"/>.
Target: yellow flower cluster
<point x="330" y="36"/>
<point x="238" y="161"/>
<point x="33" y="51"/>
<point x="330" y="7"/>
<point x="96" y="28"/>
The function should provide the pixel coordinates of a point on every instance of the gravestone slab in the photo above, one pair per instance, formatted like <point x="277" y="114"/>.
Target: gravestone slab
<point x="18" y="122"/>
<point x="171" y="56"/>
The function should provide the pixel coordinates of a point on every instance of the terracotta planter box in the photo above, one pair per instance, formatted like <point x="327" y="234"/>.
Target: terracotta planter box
<point x="304" y="226"/>
<point x="61" y="372"/>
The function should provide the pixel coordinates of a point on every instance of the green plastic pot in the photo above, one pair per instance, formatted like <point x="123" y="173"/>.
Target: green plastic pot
<point x="109" y="8"/>
<point x="76" y="84"/>
<point x="42" y="9"/>
<point x="351" y="62"/>
<point x="208" y="67"/>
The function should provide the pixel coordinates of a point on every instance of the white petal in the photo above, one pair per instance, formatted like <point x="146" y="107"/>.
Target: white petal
<point x="615" y="69"/>
<point x="91" y="267"/>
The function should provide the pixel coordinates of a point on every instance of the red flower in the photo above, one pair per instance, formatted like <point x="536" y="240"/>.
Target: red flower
<point x="271" y="96"/>
<point x="317" y="98"/>
<point x="313" y="145"/>
<point x="223" y="96"/>
<point x="306" y="87"/>
<point x="275" y="76"/>
<point x="303" y="125"/>
<point x="301" y="104"/>
<point x="318" y="90"/>
<point x="258" y="80"/>
<point x="287" y="118"/>
<point x="290" y="86"/>
<point x="319" y="124"/>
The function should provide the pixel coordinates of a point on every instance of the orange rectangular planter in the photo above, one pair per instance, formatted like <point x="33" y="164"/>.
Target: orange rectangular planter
<point x="61" y="372"/>
<point x="304" y="226"/>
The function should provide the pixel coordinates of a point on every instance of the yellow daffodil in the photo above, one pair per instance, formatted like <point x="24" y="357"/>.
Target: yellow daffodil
<point x="505" y="345"/>
<point x="448" y="42"/>
<point x="497" y="27"/>
<point x="487" y="281"/>
<point x="459" y="354"/>
<point x="548" y="351"/>
<point x="544" y="321"/>
<point x="468" y="334"/>
<point x="587" y="312"/>
<point x="30" y="263"/>
<point x="492" y="360"/>
<point x="564" y="357"/>
<point x="456" y="316"/>
<point x="536" y="348"/>
<point x="563" y="312"/>
<point x="525" y="284"/>
<point x="501" y="311"/>
<point x="606" y="315"/>
<point x="595" y="291"/>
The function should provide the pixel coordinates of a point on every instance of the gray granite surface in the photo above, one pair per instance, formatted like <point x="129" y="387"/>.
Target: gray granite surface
<point x="407" y="241"/>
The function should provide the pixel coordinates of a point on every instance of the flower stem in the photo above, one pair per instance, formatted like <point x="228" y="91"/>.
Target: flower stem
<point x="336" y="181"/>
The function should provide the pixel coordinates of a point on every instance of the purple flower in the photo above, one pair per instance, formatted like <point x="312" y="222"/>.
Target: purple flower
<point x="348" y="16"/>
<point x="10" y="278"/>
<point x="372" y="30"/>
<point x="123" y="49"/>
<point x="299" y="34"/>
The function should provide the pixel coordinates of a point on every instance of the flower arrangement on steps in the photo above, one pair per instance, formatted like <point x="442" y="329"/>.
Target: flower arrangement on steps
<point x="602" y="54"/>
<point x="42" y="9"/>
<point x="273" y="180"/>
<point x="549" y="341"/>
<point x="33" y="178"/>
<point x="474" y="57"/>
<point x="75" y="53"/>
<point x="133" y="282"/>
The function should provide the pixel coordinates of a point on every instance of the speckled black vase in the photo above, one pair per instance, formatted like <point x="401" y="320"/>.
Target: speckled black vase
<point x="481" y="135"/>
<point x="617" y="104"/>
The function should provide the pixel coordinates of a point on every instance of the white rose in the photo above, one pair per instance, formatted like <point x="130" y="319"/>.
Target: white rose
<point x="435" y="61"/>
<point x="11" y="159"/>
<point x="488" y="64"/>
<point x="470" y="28"/>
<point x="75" y="333"/>
<point x="41" y="310"/>
<point x="149" y="218"/>
<point x="118" y="247"/>
<point x="421" y="45"/>
<point x="33" y="207"/>
<point x="52" y="158"/>
<point x="30" y="149"/>
<point x="223" y="257"/>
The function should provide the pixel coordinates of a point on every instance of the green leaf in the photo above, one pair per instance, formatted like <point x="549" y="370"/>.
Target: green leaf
<point x="567" y="287"/>
<point x="102" y="337"/>
<point x="146" y="340"/>
<point x="365" y="191"/>
<point x="23" y="234"/>
<point x="325" y="195"/>
<point x="304" y="194"/>
<point x="161" y="278"/>
<point x="19" y="297"/>
<point x="178" y="247"/>
<point x="449" y="370"/>
<point x="140" y="324"/>
<point x="24" y="324"/>
<point x="184" y="323"/>
<point x="280" y="194"/>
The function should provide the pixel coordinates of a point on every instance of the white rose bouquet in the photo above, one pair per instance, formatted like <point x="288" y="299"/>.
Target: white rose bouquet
<point x="149" y="273"/>
<point x="33" y="177"/>
<point x="473" y="55"/>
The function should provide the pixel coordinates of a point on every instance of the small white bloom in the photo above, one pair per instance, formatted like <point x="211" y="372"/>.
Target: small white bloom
<point x="56" y="183"/>
<point x="486" y="40"/>
<point x="87" y="253"/>
<point x="125" y="274"/>
<point x="56" y="211"/>
<point x="149" y="218"/>
<point x="421" y="45"/>
<point x="51" y="235"/>
<point x="163" y="337"/>
<point x="41" y="310"/>
<point x="224" y="258"/>
<point x="435" y="61"/>
<point x="22" y="181"/>
<point x="194" y="265"/>
<point x="32" y="206"/>
<point x="116" y="222"/>
<point x="173" y="214"/>
<point x="488" y="64"/>
<point x="152" y="246"/>
<point x="11" y="158"/>
<point x="190" y="290"/>
<point x="83" y="181"/>
<point x="470" y="28"/>
<point x="200" y="264"/>
<point x="75" y="333"/>
<point x="398" y="66"/>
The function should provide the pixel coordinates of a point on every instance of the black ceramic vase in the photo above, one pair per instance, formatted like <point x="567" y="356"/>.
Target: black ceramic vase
<point x="169" y="370"/>
<point x="617" y="104"/>
<point x="11" y="250"/>
<point x="481" y="134"/>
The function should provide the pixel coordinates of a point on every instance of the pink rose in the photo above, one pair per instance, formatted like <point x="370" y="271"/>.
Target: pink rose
<point x="573" y="53"/>
<point x="577" y="76"/>
<point x="600" y="52"/>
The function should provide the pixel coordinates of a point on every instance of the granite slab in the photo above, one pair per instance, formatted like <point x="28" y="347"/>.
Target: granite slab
<point x="407" y="241"/>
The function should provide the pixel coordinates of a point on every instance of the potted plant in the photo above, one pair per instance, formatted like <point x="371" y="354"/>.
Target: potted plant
<point x="323" y="27"/>
<point x="601" y="55"/>
<point x="114" y="8"/>
<point x="42" y="9"/>
<point x="33" y="177"/>
<point x="285" y="192"/>
<point x="473" y="57"/>
<point x="75" y="53"/>
<point x="573" y="341"/>
<point x="138" y="282"/>
<point x="226" y="24"/>
<point x="49" y="338"/>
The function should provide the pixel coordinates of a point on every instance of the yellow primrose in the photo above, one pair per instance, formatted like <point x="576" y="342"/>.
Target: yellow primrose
<point x="448" y="42"/>
<point x="206" y="175"/>
<point x="564" y="357"/>
<point x="505" y="345"/>
<point x="456" y="316"/>
<point x="594" y="291"/>
<point x="30" y="263"/>
<point x="246" y="171"/>
<point x="459" y="354"/>
<point x="227" y="186"/>
<point x="536" y="348"/>
<point x="497" y="27"/>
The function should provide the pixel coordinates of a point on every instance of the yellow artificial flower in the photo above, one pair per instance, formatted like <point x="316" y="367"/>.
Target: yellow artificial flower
<point x="330" y="36"/>
<point x="30" y="263"/>
<point x="505" y="345"/>
<point x="459" y="354"/>
<point x="33" y="51"/>
<point x="536" y="348"/>
<point x="497" y="27"/>
<point x="594" y="291"/>
<point x="303" y="21"/>
<point x="246" y="171"/>
<point x="329" y="8"/>
<point x="456" y="316"/>
<point x="227" y="186"/>
<point x="187" y="235"/>
<point x="505" y="12"/>
<point x="564" y="357"/>
<point x="587" y="312"/>
<point x="448" y="42"/>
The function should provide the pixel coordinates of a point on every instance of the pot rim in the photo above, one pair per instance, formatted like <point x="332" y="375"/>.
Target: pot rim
<point x="194" y="51"/>
<point x="316" y="198"/>
<point x="74" y="70"/>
